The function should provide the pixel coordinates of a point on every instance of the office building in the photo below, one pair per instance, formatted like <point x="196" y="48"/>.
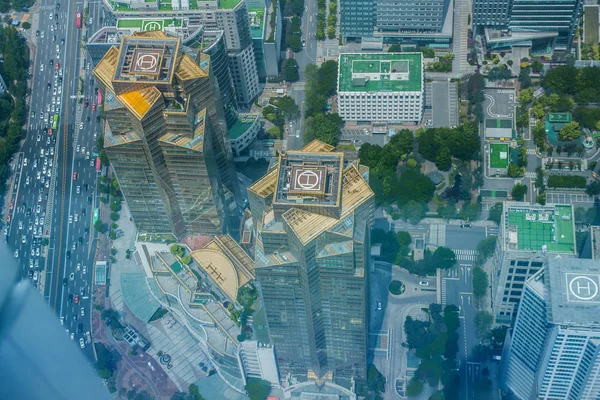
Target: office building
<point x="312" y="215"/>
<point x="527" y="234"/>
<point x="258" y="361"/>
<point x="212" y="43"/>
<point x="266" y="30"/>
<point x="554" y="350"/>
<point x="380" y="87"/>
<point x="420" y="22"/>
<point x="165" y="137"/>
<point x="541" y="25"/>
<point x="188" y="20"/>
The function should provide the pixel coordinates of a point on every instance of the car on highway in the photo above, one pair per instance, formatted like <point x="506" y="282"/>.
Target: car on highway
<point x="82" y="312"/>
<point x="35" y="276"/>
<point x="76" y="299"/>
<point x="62" y="320"/>
<point x="65" y="281"/>
<point x="81" y="125"/>
<point x="33" y="114"/>
<point x="16" y="253"/>
<point x="42" y="35"/>
<point x="74" y="176"/>
<point x="41" y="67"/>
<point x="94" y="107"/>
<point x="84" y="271"/>
<point x="72" y="336"/>
<point x="23" y="239"/>
<point x="68" y="254"/>
<point x="424" y="283"/>
<point x="70" y="297"/>
<point x="80" y="328"/>
<point x="78" y="190"/>
<point x="81" y="343"/>
<point x="71" y="276"/>
<point x="62" y="42"/>
<point x="86" y="104"/>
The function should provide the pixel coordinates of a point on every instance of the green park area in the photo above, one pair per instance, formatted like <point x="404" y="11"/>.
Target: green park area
<point x="499" y="157"/>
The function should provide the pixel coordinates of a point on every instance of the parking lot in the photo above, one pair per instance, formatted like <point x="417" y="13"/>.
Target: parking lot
<point x="441" y="104"/>
<point x="499" y="103"/>
<point x="568" y="198"/>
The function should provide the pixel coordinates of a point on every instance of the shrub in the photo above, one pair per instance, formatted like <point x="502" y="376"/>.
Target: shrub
<point x="563" y="181"/>
<point x="396" y="288"/>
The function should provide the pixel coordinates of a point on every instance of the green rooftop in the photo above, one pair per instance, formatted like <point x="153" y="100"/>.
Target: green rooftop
<point x="532" y="228"/>
<point x="499" y="156"/>
<point x="257" y="21"/>
<point x="386" y="72"/>
<point x="242" y="124"/>
<point x="228" y="4"/>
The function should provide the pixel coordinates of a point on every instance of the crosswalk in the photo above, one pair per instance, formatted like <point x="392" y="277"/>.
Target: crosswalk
<point x="443" y="293"/>
<point x="465" y="255"/>
<point x="531" y="152"/>
<point x="530" y="175"/>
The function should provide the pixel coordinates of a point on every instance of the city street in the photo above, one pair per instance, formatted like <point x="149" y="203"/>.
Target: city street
<point x="54" y="195"/>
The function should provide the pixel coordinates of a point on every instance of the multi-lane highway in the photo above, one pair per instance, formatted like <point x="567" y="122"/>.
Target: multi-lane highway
<point x="54" y="192"/>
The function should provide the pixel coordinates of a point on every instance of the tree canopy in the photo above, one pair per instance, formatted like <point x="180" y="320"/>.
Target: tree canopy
<point x="257" y="389"/>
<point x="480" y="282"/>
<point x="518" y="192"/>
<point x="462" y="142"/>
<point x="324" y="127"/>
<point x="321" y="83"/>
<point x="570" y="131"/>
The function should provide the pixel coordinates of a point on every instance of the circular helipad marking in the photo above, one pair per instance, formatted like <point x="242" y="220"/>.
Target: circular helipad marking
<point x="583" y="288"/>
<point x="147" y="62"/>
<point x="307" y="180"/>
<point x="152" y="26"/>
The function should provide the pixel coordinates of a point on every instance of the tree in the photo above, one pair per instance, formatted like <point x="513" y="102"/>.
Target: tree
<point x="257" y="389"/>
<point x="290" y="70"/>
<point x="593" y="189"/>
<point x="540" y="135"/>
<point x="525" y="79"/>
<point x="325" y="128"/>
<point x="177" y="250"/>
<point x="480" y="282"/>
<point x="107" y="362"/>
<point x="413" y="212"/>
<point x="443" y="160"/>
<point x="486" y="248"/>
<point x="414" y="387"/>
<point x="415" y="186"/>
<point x="518" y="192"/>
<point x="375" y="380"/>
<point x="514" y="170"/>
<point x="495" y="213"/>
<point x="499" y="74"/>
<point x="99" y="226"/>
<point x="470" y="211"/>
<point x="541" y="199"/>
<point x="287" y="106"/>
<point x="483" y="322"/>
<point x="194" y="393"/>
<point x="274" y="133"/>
<point x="443" y="257"/>
<point x="26" y="25"/>
<point x="536" y="66"/>
<point x="526" y="96"/>
<point x="389" y="244"/>
<point x="187" y="259"/>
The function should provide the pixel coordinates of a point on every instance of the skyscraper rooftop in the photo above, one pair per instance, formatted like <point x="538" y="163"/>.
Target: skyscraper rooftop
<point x="142" y="59"/>
<point x="573" y="290"/>
<point x="538" y="228"/>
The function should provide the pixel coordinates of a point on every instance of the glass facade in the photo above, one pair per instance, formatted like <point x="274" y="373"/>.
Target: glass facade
<point x="357" y="18"/>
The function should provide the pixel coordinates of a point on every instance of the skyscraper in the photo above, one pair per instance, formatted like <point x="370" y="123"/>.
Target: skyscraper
<point x="189" y="20"/>
<point x="528" y="22"/>
<point x="415" y="22"/>
<point x="165" y="136"/>
<point x="554" y="351"/>
<point x="527" y="233"/>
<point x="312" y="214"/>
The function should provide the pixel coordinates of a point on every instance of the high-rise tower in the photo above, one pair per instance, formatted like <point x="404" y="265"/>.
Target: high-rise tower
<point x="165" y="136"/>
<point x="554" y="350"/>
<point x="313" y="213"/>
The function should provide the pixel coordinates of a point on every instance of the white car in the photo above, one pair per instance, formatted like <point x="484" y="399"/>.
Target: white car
<point x="41" y="67"/>
<point x="38" y="138"/>
<point x="42" y="35"/>
<point x="34" y="164"/>
<point x="424" y="283"/>
<point x="37" y="252"/>
<point x="78" y="147"/>
<point x="16" y="253"/>
<point x="83" y="150"/>
<point x="71" y="276"/>
<point x="48" y="107"/>
<point x="59" y="89"/>
<point x="35" y="276"/>
<point x="82" y="312"/>
<point x="27" y="181"/>
<point x="81" y="343"/>
<point x="72" y="335"/>
<point x="78" y="190"/>
<point x="78" y="266"/>
<point x="50" y="16"/>
<point x="70" y="219"/>
<point x="76" y="218"/>
<point x="54" y="93"/>
<point x="84" y="271"/>
<point x="81" y="125"/>
<point x="47" y="185"/>
<point x="62" y="320"/>
<point x="54" y="99"/>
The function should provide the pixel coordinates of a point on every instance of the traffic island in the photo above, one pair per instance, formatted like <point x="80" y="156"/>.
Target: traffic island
<point x="396" y="288"/>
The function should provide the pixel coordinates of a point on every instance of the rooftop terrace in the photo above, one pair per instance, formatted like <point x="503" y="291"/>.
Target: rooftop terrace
<point x="539" y="228"/>
<point x="228" y="4"/>
<point x="381" y="72"/>
<point x="146" y="59"/>
<point x="241" y="125"/>
<point x="257" y="22"/>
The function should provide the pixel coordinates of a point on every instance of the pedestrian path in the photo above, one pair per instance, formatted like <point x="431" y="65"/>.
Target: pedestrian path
<point x="443" y="292"/>
<point x="465" y="255"/>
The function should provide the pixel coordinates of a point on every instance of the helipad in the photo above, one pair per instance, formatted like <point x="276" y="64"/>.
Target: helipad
<point x="146" y="61"/>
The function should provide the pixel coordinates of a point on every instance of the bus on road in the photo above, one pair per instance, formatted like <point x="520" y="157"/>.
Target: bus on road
<point x="98" y="164"/>
<point x="78" y="20"/>
<point x="96" y="215"/>
<point x="55" y="122"/>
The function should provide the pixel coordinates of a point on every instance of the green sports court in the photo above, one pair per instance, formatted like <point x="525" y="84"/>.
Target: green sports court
<point x="536" y="228"/>
<point x="499" y="156"/>
<point x="563" y="118"/>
